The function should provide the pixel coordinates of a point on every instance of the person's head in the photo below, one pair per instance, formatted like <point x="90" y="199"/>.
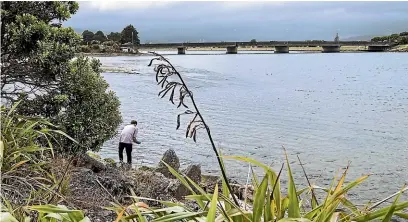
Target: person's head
<point x="134" y="122"/>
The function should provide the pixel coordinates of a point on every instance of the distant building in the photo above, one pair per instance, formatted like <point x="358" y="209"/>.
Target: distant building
<point x="128" y="47"/>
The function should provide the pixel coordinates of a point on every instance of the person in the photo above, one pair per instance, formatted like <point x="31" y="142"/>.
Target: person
<point x="127" y="136"/>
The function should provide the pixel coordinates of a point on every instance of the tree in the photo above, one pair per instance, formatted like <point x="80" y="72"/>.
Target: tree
<point x="99" y="36"/>
<point x="37" y="68"/>
<point x="126" y="35"/>
<point x="114" y="36"/>
<point x="87" y="36"/>
<point x="35" y="51"/>
<point x="253" y="41"/>
<point x="394" y="36"/>
<point x="403" y="34"/>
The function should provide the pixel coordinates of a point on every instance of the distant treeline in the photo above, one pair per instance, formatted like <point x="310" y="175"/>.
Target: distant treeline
<point x="400" y="39"/>
<point x="99" y="42"/>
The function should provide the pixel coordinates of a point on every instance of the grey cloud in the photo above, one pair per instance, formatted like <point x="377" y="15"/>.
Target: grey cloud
<point x="216" y="21"/>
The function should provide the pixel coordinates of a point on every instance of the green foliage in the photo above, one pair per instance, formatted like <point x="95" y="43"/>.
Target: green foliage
<point x="95" y="47"/>
<point x="87" y="36"/>
<point x="89" y="111"/>
<point x="49" y="213"/>
<point x="37" y="56"/>
<point x="126" y="35"/>
<point x="266" y="207"/>
<point x="26" y="147"/>
<point x="403" y="34"/>
<point x="253" y="41"/>
<point x="84" y="48"/>
<point x="35" y="53"/>
<point x="99" y="36"/>
<point x="400" y="39"/>
<point x="114" y="36"/>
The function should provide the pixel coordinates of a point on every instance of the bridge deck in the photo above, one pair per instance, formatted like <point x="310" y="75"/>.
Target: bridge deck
<point x="266" y="44"/>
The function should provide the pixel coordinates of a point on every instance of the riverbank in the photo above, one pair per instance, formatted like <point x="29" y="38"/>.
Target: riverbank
<point x="400" y="48"/>
<point x="95" y="183"/>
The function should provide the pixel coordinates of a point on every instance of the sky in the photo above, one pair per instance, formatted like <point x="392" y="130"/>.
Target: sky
<point x="173" y="21"/>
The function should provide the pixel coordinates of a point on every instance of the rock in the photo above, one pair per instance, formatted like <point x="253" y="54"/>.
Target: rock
<point x="172" y="160"/>
<point x="152" y="185"/>
<point x="89" y="162"/>
<point x="193" y="172"/>
<point x="110" y="162"/>
<point x="178" y="190"/>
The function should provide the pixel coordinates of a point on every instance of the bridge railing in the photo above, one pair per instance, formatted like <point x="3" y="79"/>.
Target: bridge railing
<point x="265" y="44"/>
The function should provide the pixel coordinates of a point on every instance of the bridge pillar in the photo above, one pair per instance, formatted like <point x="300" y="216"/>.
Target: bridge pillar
<point x="232" y="49"/>
<point x="375" y="48"/>
<point x="331" y="48"/>
<point x="181" y="50"/>
<point x="281" y="49"/>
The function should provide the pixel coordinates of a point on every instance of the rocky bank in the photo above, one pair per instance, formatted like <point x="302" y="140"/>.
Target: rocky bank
<point x="95" y="183"/>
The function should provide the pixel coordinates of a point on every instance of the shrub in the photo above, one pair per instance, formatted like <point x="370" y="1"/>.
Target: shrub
<point x="95" y="47"/>
<point x="85" y="48"/>
<point x="82" y="107"/>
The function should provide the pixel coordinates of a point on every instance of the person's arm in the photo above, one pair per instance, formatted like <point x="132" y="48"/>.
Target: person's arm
<point x="134" y="137"/>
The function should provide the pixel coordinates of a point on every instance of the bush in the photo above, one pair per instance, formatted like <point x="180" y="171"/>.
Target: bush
<point x="84" y="48"/>
<point x="82" y="107"/>
<point x="95" y="47"/>
<point x="109" y="43"/>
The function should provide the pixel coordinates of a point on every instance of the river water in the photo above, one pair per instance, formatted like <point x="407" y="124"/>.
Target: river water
<point x="328" y="109"/>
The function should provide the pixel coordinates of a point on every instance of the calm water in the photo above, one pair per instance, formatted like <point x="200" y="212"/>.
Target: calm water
<point x="328" y="109"/>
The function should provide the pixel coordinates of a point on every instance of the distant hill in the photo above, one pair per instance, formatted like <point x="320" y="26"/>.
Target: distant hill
<point x="359" y="38"/>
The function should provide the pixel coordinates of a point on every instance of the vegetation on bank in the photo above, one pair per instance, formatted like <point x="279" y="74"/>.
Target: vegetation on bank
<point x="400" y="39"/>
<point x="57" y="105"/>
<point x="99" y="43"/>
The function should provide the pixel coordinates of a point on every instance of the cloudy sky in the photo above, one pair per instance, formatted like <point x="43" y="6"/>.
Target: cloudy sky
<point x="242" y="21"/>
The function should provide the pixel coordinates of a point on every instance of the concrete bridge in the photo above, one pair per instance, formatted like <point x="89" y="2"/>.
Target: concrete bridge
<point x="280" y="46"/>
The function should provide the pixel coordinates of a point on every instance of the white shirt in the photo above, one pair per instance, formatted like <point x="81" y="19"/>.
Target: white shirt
<point x="128" y="134"/>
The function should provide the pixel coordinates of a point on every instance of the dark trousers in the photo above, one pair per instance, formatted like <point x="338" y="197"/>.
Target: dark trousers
<point x="128" y="147"/>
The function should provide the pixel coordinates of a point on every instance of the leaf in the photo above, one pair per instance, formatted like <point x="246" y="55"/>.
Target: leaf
<point x="195" y="136"/>
<point x="402" y="215"/>
<point x="151" y="61"/>
<point x="7" y="217"/>
<point x="179" y="177"/>
<point x="120" y="215"/>
<point x="213" y="206"/>
<point x="387" y="217"/>
<point x="86" y="219"/>
<point x="259" y="200"/>
<point x="172" y="95"/>
<point x="379" y="213"/>
<point x="293" y="209"/>
<point x="167" y="90"/>
<point x="178" y="121"/>
<point x="294" y="220"/>
<point x="51" y="209"/>
<point x="178" y="216"/>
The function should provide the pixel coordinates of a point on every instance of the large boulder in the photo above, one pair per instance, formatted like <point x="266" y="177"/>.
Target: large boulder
<point x="90" y="161"/>
<point x="172" y="160"/>
<point x="193" y="172"/>
<point x="178" y="190"/>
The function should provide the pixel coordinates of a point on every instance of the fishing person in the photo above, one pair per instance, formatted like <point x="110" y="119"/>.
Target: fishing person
<point x="127" y="137"/>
